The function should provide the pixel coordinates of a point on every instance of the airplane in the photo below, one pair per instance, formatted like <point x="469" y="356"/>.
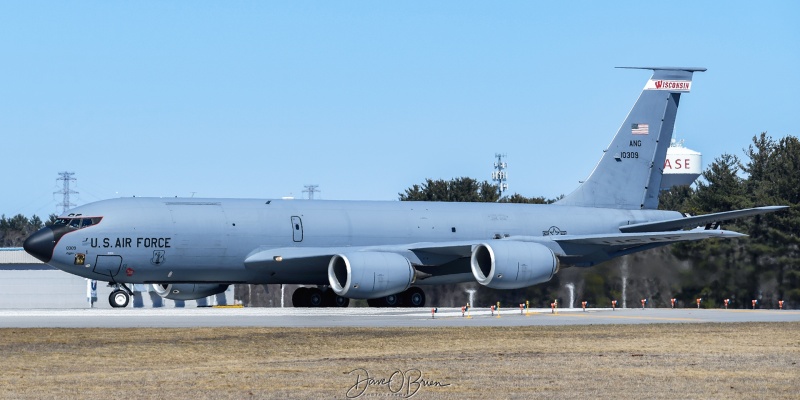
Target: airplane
<point x="384" y="251"/>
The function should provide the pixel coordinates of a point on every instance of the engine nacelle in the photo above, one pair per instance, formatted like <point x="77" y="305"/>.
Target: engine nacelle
<point x="512" y="265"/>
<point x="369" y="275"/>
<point x="188" y="291"/>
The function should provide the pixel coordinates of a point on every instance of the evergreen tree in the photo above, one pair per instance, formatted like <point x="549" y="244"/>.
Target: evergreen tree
<point x="717" y="272"/>
<point x="775" y="238"/>
<point x="766" y="265"/>
<point x="518" y="198"/>
<point x="459" y="189"/>
<point x="675" y="198"/>
<point x="14" y="230"/>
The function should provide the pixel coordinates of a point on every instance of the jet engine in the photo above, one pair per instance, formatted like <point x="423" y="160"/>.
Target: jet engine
<point x="512" y="265"/>
<point x="188" y="291"/>
<point x="369" y="275"/>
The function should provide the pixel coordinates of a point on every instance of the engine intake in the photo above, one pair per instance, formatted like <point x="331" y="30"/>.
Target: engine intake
<point x="188" y="291"/>
<point x="512" y="265"/>
<point x="369" y="275"/>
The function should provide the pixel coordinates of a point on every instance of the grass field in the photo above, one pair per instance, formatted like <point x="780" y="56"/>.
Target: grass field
<point x="747" y="360"/>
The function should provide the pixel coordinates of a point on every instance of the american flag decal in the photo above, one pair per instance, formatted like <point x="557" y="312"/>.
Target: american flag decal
<point x="640" y="129"/>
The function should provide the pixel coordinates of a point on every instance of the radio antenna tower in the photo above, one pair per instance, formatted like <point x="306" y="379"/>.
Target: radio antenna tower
<point x="499" y="175"/>
<point x="311" y="189"/>
<point x="65" y="191"/>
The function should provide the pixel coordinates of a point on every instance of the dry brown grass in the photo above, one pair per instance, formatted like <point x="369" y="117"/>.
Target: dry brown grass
<point x="749" y="360"/>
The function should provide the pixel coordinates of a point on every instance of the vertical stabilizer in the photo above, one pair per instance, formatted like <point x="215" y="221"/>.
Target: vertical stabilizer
<point x="628" y="175"/>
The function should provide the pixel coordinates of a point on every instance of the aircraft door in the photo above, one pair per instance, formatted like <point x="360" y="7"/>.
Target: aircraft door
<point x="108" y="265"/>
<point x="297" y="229"/>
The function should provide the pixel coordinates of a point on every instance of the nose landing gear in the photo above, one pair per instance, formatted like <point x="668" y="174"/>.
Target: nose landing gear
<point x="120" y="296"/>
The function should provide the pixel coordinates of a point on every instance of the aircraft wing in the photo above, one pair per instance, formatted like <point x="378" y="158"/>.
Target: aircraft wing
<point x="432" y="253"/>
<point x="691" y="222"/>
<point x="306" y="265"/>
<point x="570" y="248"/>
<point x="262" y="257"/>
<point x="442" y="259"/>
<point x="309" y="265"/>
<point x="587" y="250"/>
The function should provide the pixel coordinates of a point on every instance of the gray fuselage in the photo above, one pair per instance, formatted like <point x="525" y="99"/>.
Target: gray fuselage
<point x="171" y="240"/>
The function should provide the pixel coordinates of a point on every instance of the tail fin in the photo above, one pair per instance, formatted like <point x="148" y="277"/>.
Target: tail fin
<point x="628" y="175"/>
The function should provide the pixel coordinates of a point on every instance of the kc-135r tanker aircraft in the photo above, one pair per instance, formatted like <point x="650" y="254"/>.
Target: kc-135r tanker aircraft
<point x="190" y="248"/>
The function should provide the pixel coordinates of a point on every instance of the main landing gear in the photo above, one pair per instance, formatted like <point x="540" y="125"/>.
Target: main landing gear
<point x="314" y="297"/>
<point x="412" y="297"/>
<point x="120" y="296"/>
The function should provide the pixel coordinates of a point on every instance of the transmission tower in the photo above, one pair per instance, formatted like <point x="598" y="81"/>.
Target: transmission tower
<point x="499" y="175"/>
<point x="311" y="189"/>
<point x="66" y="177"/>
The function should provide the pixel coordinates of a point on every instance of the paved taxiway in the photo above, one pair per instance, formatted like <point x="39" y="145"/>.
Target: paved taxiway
<point x="368" y="317"/>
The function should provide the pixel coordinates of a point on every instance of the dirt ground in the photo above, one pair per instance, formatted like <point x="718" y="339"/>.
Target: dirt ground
<point x="747" y="360"/>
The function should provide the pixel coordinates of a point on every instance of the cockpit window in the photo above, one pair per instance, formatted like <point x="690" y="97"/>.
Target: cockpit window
<point x="61" y="221"/>
<point x="77" y="222"/>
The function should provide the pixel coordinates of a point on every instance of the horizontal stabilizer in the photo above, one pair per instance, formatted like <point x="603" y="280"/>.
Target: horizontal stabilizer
<point x="700" y="220"/>
<point x="687" y="69"/>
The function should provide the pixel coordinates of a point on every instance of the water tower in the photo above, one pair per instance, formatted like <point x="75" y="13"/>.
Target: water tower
<point x="681" y="167"/>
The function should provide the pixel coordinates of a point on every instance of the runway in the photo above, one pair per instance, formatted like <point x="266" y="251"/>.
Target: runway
<point x="370" y="317"/>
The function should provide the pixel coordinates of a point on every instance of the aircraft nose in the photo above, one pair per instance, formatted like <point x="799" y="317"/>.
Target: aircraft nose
<point x="41" y="244"/>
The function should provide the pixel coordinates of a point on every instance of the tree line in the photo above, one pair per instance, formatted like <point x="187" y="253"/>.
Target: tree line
<point x="766" y="265"/>
<point x="14" y="230"/>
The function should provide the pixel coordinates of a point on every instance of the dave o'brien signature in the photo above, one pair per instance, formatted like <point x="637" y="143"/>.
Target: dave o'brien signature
<point x="400" y="383"/>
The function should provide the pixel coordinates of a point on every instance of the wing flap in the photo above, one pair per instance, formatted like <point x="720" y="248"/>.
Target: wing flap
<point x="632" y="239"/>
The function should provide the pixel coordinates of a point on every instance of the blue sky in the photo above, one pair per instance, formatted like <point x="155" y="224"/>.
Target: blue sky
<point x="365" y="98"/>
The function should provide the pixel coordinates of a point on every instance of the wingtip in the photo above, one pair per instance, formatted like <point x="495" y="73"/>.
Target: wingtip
<point x="774" y="208"/>
<point x="732" y="234"/>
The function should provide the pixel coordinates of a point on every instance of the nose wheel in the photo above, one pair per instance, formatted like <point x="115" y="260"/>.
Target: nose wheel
<point x="120" y="296"/>
<point x="119" y="299"/>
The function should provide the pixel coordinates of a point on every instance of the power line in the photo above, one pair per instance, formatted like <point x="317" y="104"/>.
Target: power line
<point x="66" y="177"/>
<point x="311" y="189"/>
